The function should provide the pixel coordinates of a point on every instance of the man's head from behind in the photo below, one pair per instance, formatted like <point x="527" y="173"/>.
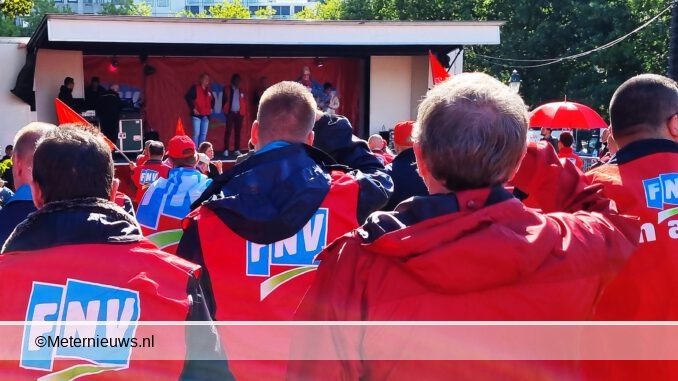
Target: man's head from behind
<point x="471" y="133"/>
<point x="376" y="142"/>
<point x="156" y="150"/>
<point x="402" y="135"/>
<point x="8" y="150"/>
<point x="286" y="112"/>
<point x="181" y="151"/>
<point x="71" y="162"/>
<point x="645" y="106"/>
<point x="25" y="142"/>
<point x="565" y="140"/>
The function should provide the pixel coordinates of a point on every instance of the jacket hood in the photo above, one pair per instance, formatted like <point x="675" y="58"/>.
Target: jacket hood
<point x="271" y="195"/>
<point x="81" y="221"/>
<point x="463" y="242"/>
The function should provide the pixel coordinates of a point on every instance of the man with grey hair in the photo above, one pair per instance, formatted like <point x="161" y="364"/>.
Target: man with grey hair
<point x="21" y="205"/>
<point x="469" y="251"/>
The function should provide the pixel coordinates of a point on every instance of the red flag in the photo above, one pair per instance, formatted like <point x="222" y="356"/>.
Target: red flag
<point x="180" y="128"/>
<point x="66" y="114"/>
<point x="438" y="72"/>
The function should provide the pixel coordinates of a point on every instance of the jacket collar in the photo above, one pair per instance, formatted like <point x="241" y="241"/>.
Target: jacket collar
<point x="642" y="148"/>
<point x="421" y="208"/>
<point x="72" y="222"/>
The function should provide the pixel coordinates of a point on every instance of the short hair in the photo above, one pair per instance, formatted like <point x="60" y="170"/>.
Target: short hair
<point x="234" y="77"/>
<point x="27" y="138"/>
<point x="327" y="86"/>
<point x="643" y="103"/>
<point x="156" y="148"/>
<point x="9" y="146"/>
<point x="204" y="146"/>
<point x="566" y="139"/>
<point x="286" y="112"/>
<point x="68" y="80"/>
<point x="190" y="161"/>
<point x="203" y="75"/>
<point x="472" y="131"/>
<point x="73" y="162"/>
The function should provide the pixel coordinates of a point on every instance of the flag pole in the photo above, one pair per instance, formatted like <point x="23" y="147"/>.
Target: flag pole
<point x="68" y="115"/>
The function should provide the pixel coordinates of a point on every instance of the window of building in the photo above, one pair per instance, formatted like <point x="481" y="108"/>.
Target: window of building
<point x="284" y="11"/>
<point x="195" y="9"/>
<point x="163" y="3"/>
<point x="298" y="8"/>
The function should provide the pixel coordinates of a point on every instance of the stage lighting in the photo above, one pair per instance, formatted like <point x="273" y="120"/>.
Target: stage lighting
<point x="113" y="66"/>
<point x="319" y="62"/>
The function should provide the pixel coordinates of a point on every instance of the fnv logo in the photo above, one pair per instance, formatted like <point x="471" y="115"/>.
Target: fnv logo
<point x="114" y="310"/>
<point x="298" y="251"/>
<point x="660" y="192"/>
<point x="147" y="176"/>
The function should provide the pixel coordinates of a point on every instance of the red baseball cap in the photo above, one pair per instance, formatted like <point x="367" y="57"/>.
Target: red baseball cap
<point x="180" y="147"/>
<point x="402" y="133"/>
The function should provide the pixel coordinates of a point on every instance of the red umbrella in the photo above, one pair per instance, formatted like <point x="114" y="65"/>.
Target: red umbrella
<point x="566" y="115"/>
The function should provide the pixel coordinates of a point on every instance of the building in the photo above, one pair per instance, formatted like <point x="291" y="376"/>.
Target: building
<point x="283" y="8"/>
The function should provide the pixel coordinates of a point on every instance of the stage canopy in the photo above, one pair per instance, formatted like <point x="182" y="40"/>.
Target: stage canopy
<point x="379" y="69"/>
<point x="131" y="35"/>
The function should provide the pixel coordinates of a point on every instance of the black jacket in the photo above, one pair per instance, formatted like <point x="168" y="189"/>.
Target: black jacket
<point x="406" y="181"/>
<point x="66" y="95"/>
<point x="97" y="221"/>
<point x="11" y="215"/>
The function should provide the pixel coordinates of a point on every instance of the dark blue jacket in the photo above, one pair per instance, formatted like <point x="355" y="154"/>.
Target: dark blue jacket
<point x="406" y="180"/>
<point x="12" y="213"/>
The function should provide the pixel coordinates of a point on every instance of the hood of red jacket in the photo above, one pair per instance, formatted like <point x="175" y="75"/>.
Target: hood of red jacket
<point x="464" y="242"/>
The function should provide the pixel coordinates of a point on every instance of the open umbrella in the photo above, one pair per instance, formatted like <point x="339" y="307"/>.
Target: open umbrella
<point x="566" y="115"/>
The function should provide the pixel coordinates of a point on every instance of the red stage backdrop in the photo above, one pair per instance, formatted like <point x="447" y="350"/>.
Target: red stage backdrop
<point x="163" y="92"/>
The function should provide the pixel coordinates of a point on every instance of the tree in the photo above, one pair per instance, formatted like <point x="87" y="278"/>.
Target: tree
<point x="15" y="8"/>
<point x="329" y="10"/>
<point x="541" y="29"/>
<point x="230" y="10"/>
<point x="265" y="13"/>
<point x="126" y="7"/>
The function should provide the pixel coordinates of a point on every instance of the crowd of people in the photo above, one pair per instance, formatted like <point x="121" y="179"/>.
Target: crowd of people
<point x="465" y="221"/>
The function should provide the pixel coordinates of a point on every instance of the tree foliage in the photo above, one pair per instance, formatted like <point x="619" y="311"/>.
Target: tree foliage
<point x="14" y="8"/>
<point x="541" y="29"/>
<point x="126" y="7"/>
<point x="230" y="10"/>
<point x="265" y="13"/>
<point x="329" y="10"/>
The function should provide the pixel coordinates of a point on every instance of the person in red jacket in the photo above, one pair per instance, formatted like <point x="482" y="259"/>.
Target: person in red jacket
<point x="642" y="178"/>
<point x="152" y="169"/>
<point x="263" y="222"/>
<point x="200" y="100"/>
<point x="81" y="257"/>
<point x="565" y="151"/>
<point x="469" y="251"/>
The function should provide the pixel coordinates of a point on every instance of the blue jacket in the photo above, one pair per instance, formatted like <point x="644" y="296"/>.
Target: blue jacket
<point x="406" y="180"/>
<point x="16" y="210"/>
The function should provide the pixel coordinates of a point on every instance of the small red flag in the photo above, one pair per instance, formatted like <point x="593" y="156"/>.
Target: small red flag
<point x="438" y="72"/>
<point x="66" y="115"/>
<point x="180" y="128"/>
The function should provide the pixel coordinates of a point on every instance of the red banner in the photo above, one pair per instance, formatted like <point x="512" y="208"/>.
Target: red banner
<point x="438" y="72"/>
<point x="164" y="91"/>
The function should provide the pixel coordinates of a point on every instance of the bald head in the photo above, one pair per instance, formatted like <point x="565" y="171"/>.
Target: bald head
<point x="376" y="142"/>
<point x="25" y="142"/>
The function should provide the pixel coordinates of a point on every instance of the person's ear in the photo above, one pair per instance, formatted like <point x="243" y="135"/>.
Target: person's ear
<point x="254" y="136"/>
<point x="672" y="127"/>
<point x="115" y="185"/>
<point x="310" y="137"/>
<point x="421" y="164"/>
<point x="38" y="197"/>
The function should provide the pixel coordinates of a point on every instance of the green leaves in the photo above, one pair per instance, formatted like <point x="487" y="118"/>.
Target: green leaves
<point x="14" y="8"/>
<point x="126" y="7"/>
